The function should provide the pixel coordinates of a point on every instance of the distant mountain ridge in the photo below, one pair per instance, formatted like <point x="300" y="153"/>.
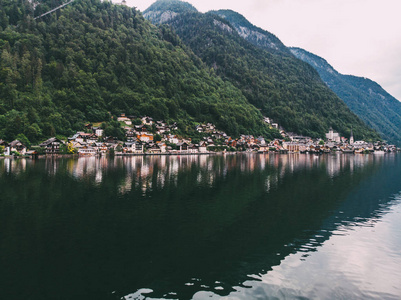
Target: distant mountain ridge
<point x="363" y="96"/>
<point x="251" y="33"/>
<point x="281" y="86"/>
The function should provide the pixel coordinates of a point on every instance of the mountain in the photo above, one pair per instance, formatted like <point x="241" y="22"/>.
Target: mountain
<point x="251" y="33"/>
<point x="283" y="87"/>
<point x="163" y="11"/>
<point x="363" y="96"/>
<point x="92" y="60"/>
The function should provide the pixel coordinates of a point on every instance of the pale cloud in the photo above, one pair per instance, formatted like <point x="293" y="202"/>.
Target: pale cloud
<point x="358" y="37"/>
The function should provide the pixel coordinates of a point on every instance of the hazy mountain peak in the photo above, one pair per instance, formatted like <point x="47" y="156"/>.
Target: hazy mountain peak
<point x="163" y="11"/>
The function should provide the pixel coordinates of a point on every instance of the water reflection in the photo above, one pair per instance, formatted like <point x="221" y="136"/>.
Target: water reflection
<point x="183" y="226"/>
<point x="165" y="168"/>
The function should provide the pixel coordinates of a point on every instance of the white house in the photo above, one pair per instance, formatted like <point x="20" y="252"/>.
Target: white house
<point x="123" y="118"/>
<point x="333" y="136"/>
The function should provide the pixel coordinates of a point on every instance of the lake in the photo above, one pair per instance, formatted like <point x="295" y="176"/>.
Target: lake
<point x="245" y="226"/>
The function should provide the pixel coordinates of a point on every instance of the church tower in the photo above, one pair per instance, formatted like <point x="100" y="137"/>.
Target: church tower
<point x="351" y="139"/>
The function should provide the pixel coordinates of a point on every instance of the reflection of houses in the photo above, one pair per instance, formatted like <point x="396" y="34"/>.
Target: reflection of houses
<point x="17" y="146"/>
<point x="52" y="145"/>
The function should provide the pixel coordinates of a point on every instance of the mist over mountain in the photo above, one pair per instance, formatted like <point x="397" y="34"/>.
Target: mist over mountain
<point x="281" y="86"/>
<point x="363" y="96"/>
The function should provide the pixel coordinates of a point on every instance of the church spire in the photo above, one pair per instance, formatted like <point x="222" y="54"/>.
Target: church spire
<point x="351" y="139"/>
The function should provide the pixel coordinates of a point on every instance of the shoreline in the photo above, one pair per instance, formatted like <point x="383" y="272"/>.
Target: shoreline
<point x="185" y="154"/>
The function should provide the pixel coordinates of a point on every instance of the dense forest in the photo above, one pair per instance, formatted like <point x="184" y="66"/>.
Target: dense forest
<point x="93" y="60"/>
<point x="363" y="96"/>
<point x="282" y="86"/>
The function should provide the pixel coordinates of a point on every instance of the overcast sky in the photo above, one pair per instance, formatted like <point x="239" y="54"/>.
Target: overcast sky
<point x="357" y="37"/>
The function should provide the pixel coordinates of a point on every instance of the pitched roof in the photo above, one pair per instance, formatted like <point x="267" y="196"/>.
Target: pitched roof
<point x="49" y="141"/>
<point x="15" y="143"/>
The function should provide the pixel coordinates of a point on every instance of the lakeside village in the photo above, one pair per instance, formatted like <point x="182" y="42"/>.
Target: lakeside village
<point x="158" y="138"/>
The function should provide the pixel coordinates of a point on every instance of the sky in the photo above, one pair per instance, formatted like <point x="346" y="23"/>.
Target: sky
<point x="357" y="37"/>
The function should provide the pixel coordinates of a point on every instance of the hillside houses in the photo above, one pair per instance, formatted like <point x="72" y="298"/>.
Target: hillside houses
<point x="148" y="136"/>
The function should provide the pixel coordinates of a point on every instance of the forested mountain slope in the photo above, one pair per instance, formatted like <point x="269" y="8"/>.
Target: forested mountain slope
<point x="93" y="59"/>
<point x="253" y="34"/>
<point x="363" y="96"/>
<point x="282" y="86"/>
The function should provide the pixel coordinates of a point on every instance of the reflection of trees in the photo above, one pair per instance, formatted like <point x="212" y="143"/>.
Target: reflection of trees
<point x="157" y="222"/>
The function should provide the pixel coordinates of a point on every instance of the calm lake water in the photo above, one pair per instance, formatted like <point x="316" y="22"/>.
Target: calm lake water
<point x="249" y="226"/>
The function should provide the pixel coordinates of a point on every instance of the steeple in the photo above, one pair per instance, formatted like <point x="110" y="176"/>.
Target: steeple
<point x="351" y="139"/>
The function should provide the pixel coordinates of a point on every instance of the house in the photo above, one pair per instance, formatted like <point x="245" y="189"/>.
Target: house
<point x="147" y="121"/>
<point x="101" y="147"/>
<point x="154" y="150"/>
<point x="123" y="118"/>
<point x="199" y="128"/>
<point x="183" y="147"/>
<point x="333" y="136"/>
<point x="133" y="147"/>
<point x="78" y="144"/>
<point x="98" y="131"/>
<point x="192" y="148"/>
<point x="80" y="137"/>
<point x="173" y="139"/>
<point x="87" y="151"/>
<point x="299" y="138"/>
<point x="264" y="148"/>
<point x="162" y="146"/>
<point x="202" y="147"/>
<point x="261" y="141"/>
<point x="91" y="138"/>
<point x="52" y="145"/>
<point x="17" y="146"/>
<point x="291" y="146"/>
<point x="145" y="137"/>
<point x="160" y="129"/>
